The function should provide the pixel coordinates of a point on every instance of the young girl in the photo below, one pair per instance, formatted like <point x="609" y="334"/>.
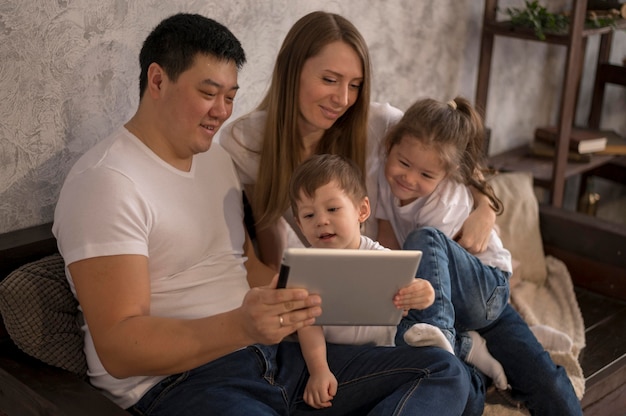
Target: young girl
<point x="329" y="202"/>
<point x="432" y="155"/>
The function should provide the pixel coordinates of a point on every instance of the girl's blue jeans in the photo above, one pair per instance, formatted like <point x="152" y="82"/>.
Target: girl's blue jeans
<point x="468" y="294"/>
<point x="535" y="380"/>
<point x="478" y="296"/>
<point x="269" y="380"/>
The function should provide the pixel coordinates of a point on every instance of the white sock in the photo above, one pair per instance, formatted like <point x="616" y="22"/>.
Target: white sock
<point x="480" y="357"/>
<point x="427" y="335"/>
<point x="552" y="339"/>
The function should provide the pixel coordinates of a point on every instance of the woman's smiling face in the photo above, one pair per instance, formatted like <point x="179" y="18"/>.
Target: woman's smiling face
<point x="330" y="83"/>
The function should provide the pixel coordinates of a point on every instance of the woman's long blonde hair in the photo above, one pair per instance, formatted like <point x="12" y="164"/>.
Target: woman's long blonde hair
<point x="282" y="143"/>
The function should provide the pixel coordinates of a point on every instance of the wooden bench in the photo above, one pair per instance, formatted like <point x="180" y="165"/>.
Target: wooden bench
<point x="595" y="254"/>
<point x="594" y="251"/>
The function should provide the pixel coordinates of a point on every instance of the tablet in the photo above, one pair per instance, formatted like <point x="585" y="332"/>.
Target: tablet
<point x="356" y="286"/>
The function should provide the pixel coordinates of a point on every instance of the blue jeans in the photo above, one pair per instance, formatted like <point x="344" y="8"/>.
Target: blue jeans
<point x="468" y="294"/>
<point x="270" y="380"/>
<point x="535" y="380"/>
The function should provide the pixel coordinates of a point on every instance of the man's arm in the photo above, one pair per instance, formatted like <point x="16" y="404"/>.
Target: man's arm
<point x="114" y="294"/>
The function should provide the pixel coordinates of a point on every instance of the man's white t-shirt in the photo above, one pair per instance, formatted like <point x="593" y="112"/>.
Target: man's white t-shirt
<point x="120" y="198"/>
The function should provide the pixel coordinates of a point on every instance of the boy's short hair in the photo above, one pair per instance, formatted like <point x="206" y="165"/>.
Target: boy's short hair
<point x="175" y="42"/>
<point x="320" y="170"/>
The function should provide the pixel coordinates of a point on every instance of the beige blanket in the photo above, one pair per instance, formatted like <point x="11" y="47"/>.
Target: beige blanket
<point x="552" y="311"/>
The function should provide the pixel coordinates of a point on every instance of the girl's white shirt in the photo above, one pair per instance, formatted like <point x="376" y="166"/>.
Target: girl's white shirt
<point x="446" y="208"/>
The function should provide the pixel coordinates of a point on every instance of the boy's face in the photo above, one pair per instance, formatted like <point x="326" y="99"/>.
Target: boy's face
<point x="330" y="219"/>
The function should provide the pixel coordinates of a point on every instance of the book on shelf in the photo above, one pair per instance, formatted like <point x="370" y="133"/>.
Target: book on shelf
<point x="546" y="150"/>
<point x="615" y="144"/>
<point x="581" y="140"/>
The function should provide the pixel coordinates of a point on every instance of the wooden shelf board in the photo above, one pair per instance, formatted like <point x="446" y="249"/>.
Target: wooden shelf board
<point x="506" y="28"/>
<point x="520" y="159"/>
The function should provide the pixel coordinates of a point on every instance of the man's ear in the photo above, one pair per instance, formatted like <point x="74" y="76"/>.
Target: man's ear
<point x="156" y="76"/>
<point x="364" y="210"/>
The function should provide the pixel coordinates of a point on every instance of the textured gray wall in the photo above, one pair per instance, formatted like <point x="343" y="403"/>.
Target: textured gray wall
<point x="68" y="74"/>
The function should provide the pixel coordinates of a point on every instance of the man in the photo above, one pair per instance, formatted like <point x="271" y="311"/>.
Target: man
<point x="150" y="224"/>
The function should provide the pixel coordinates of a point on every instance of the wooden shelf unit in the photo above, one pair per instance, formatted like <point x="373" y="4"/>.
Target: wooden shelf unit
<point x="606" y="73"/>
<point x="575" y="41"/>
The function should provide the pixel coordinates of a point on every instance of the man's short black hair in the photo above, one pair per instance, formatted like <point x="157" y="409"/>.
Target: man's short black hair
<point x="176" y="41"/>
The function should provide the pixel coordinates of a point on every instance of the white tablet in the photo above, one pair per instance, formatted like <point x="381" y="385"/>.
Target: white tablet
<point x="356" y="286"/>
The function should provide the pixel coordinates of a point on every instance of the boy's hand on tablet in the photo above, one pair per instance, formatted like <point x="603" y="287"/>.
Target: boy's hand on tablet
<point x="418" y="295"/>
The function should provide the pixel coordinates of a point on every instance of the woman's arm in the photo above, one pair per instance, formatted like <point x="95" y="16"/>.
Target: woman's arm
<point x="258" y="273"/>
<point x="270" y="241"/>
<point x="386" y="236"/>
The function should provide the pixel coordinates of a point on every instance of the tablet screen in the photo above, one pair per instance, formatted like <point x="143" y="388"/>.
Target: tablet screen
<point x="356" y="286"/>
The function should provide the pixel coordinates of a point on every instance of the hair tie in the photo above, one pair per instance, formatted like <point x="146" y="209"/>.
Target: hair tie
<point x="452" y="104"/>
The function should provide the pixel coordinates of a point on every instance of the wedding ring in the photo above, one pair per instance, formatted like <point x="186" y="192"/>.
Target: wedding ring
<point x="281" y="320"/>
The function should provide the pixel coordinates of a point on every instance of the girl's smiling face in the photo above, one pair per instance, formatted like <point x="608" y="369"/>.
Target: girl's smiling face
<point x="413" y="170"/>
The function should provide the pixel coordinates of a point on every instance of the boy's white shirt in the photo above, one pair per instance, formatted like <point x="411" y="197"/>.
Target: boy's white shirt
<point x="357" y="335"/>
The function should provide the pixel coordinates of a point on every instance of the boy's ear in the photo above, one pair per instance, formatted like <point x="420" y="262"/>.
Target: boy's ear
<point x="364" y="210"/>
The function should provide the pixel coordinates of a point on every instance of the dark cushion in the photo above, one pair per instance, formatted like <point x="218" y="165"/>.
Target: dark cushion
<point x="41" y="316"/>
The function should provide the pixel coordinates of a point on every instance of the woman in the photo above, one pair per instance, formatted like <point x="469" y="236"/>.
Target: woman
<point x="318" y="102"/>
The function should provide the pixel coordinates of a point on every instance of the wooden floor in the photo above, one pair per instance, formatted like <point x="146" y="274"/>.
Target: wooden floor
<point x="603" y="360"/>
